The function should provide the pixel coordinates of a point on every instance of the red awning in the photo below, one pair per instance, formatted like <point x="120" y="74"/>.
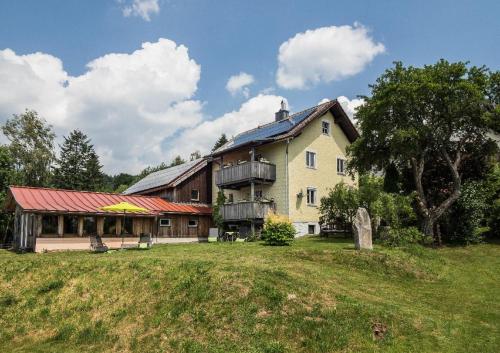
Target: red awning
<point x="69" y="201"/>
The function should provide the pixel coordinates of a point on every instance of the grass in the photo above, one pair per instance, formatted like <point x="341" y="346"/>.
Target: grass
<point x="317" y="295"/>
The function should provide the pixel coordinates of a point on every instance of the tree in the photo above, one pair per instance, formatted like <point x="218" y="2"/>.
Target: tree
<point x="177" y="161"/>
<point x="340" y="206"/>
<point x="220" y="142"/>
<point x="216" y="214"/>
<point x="195" y="155"/>
<point x="31" y="147"/>
<point x="422" y="117"/>
<point x="7" y="177"/>
<point x="78" y="167"/>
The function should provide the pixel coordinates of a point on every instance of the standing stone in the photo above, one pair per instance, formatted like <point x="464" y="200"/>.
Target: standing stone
<point x="362" y="229"/>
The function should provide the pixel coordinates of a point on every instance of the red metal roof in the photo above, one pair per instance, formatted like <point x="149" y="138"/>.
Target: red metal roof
<point x="70" y="201"/>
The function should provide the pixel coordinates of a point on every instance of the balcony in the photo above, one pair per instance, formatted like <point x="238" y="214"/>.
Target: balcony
<point x="246" y="210"/>
<point x="243" y="174"/>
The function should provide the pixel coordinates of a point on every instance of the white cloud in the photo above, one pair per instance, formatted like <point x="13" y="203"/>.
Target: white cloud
<point x="142" y="8"/>
<point x="239" y="83"/>
<point x="350" y="105"/>
<point x="256" y="111"/>
<point x="325" y="54"/>
<point x="128" y="104"/>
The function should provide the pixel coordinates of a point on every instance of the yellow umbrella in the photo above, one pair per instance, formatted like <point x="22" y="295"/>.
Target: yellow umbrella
<point x="124" y="207"/>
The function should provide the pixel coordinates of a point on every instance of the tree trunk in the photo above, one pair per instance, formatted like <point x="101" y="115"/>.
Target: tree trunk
<point x="431" y="214"/>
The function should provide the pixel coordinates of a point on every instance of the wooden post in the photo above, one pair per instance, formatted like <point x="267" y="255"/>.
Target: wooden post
<point x="60" y="225"/>
<point x="80" y="226"/>
<point x="118" y="225"/>
<point x="100" y="226"/>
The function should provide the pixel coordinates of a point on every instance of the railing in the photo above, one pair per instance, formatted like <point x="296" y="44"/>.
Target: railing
<point x="246" y="210"/>
<point x="244" y="172"/>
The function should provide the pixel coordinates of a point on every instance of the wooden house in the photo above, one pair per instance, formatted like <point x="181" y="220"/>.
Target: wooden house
<point x="54" y="219"/>
<point x="189" y="182"/>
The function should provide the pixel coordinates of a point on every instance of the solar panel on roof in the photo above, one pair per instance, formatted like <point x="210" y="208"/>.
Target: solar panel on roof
<point x="270" y="130"/>
<point x="161" y="177"/>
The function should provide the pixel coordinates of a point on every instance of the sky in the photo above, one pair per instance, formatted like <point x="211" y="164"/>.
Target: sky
<point x="147" y="80"/>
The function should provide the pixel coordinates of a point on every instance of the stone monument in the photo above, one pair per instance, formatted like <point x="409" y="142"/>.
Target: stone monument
<point x="362" y="229"/>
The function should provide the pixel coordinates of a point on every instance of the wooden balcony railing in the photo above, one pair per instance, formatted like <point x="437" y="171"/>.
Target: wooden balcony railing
<point x="242" y="174"/>
<point x="246" y="210"/>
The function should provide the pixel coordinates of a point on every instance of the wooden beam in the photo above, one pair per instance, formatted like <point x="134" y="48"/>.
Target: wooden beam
<point x="80" y="226"/>
<point x="60" y="225"/>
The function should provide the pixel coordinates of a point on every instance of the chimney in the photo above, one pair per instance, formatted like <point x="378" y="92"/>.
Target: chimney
<point x="282" y="113"/>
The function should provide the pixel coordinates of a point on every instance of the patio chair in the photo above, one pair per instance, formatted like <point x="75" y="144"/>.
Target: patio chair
<point x="145" y="241"/>
<point x="96" y="244"/>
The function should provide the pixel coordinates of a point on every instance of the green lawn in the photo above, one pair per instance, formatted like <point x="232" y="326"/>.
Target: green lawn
<point x="317" y="295"/>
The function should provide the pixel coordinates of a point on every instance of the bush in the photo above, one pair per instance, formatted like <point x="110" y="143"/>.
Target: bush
<point x="278" y="230"/>
<point x="467" y="215"/>
<point x="395" y="237"/>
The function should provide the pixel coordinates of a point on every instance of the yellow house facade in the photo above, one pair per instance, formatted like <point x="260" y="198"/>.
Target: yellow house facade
<point x="286" y="167"/>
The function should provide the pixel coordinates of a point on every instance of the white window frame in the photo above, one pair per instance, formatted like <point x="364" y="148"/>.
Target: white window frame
<point x="198" y="195"/>
<point x="344" y="162"/>
<point x="166" y="219"/>
<point x="315" y="159"/>
<point x="323" y="122"/>
<point x="195" y="225"/>
<point x="315" y="196"/>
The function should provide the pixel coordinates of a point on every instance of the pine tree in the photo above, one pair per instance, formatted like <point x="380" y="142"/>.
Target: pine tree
<point x="177" y="161"/>
<point x="78" y="167"/>
<point x="220" y="142"/>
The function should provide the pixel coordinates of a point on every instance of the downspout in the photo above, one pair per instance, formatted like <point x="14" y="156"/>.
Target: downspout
<point x="287" y="193"/>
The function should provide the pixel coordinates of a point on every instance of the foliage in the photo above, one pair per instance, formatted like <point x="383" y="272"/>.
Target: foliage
<point x="7" y="177"/>
<point x="118" y="182"/>
<point x="492" y="192"/>
<point x="195" y="155"/>
<point x="31" y="147"/>
<point x="78" y="167"/>
<point x="216" y="214"/>
<point x="278" y="230"/>
<point x="177" y="161"/>
<point x="394" y="210"/>
<point x="220" y="142"/>
<point x="370" y="188"/>
<point x="395" y="237"/>
<point x="467" y="214"/>
<point x="426" y="116"/>
<point x="340" y="206"/>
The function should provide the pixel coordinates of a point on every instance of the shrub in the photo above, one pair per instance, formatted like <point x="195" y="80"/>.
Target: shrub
<point x="278" y="230"/>
<point x="402" y="236"/>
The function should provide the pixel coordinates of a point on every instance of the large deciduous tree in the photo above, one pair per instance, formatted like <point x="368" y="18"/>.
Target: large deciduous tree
<point x="420" y="118"/>
<point x="78" y="167"/>
<point x="31" y="147"/>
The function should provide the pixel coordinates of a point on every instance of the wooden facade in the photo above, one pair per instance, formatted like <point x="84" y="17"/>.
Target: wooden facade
<point x="242" y="174"/>
<point x="182" y="191"/>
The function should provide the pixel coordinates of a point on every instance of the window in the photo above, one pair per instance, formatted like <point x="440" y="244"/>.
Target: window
<point x="109" y="225"/>
<point x="341" y="164"/>
<point x="230" y="198"/>
<point x="49" y="224"/>
<point x="310" y="159"/>
<point x="311" y="196"/>
<point x="195" y="195"/>
<point x="127" y="227"/>
<point x="325" y="127"/>
<point x="311" y="229"/>
<point x="165" y="222"/>
<point x="258" y="194"/>
<point x="193" y="222"/>
<point x="70" y="224"/>
<point x="89" y="225"/>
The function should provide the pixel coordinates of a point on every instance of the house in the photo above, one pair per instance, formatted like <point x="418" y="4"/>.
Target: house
<point x="285" y="166"/>
<point x="54" y="219"/>
<point x="189" y="182"/>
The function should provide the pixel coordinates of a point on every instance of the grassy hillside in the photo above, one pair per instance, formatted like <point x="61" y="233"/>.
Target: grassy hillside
<point x="317" y="295"/>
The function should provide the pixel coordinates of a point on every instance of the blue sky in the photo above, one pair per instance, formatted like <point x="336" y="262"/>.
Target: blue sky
<point x="223" y="39"/>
